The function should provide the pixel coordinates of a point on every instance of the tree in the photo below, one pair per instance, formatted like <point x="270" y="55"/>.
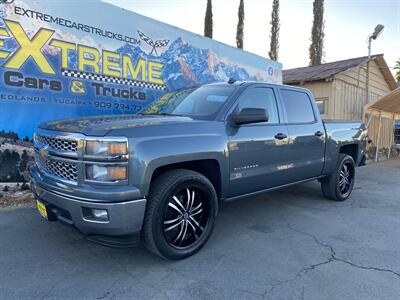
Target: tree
<point x="24" y="161"/>
<point x="317" y="34"/>
<point x="9" y="135"/>
<point x="208" y="22"/>
<point x="25" y="187"/>
<point x="274" y="44"/>
<point x="240" y="26"/>
<point x="397" y="69"/>
<point x="9" y="162"/>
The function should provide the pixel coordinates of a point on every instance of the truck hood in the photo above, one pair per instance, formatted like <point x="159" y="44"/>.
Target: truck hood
<point x="102" y="125"/>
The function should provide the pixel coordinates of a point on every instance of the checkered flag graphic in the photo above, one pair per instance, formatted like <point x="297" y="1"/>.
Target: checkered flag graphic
<point x="154" y="44"/>
<point x="161" y="43"/>
<point x="111" y="79"/>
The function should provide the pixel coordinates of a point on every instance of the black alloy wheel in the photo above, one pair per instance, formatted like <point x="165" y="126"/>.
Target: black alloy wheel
<point x="186" y="217"/>
<point x="180" y="214"/>
<point x="339" y="184"/>
<point x="346" y="177"/>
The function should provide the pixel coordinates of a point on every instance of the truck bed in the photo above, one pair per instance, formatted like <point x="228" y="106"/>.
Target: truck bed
<point x="332" y="126"/>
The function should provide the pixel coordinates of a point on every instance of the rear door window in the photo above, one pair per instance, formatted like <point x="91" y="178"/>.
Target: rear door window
<point x="298" y="107"/>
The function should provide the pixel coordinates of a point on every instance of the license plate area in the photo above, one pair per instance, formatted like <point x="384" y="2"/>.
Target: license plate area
<point x="42" y="209"/>
<point x="46" y="210"/>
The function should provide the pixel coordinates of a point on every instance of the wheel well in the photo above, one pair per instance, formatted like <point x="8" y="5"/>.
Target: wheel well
<point x="208" y="167"/>
<point x="351" y="150"/>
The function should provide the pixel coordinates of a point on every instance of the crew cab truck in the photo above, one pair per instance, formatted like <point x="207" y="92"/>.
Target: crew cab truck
<point x="159" y="176"/>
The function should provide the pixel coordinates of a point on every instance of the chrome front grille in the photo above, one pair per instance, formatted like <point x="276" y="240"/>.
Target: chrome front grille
<point x="62" y="157"/>
<point x="61" y="169"/>
<point x="58" y="143"/>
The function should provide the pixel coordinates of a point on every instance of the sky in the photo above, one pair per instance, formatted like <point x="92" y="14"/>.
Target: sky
<point x="347" y="25"/>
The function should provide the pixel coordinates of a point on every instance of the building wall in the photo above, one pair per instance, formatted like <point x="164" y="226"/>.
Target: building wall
<point x="349" y="97"/>
<point x="345" y="98"/>
<point x="378" y="86"/>
<point x="349" y="90"/>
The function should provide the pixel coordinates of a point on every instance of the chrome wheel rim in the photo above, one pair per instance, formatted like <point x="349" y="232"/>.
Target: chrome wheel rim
<point x="345" y="179"/>
<point x="186" y="217"/>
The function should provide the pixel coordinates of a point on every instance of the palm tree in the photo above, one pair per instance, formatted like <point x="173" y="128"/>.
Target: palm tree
<point x="208" y="21"/>
<point x="317" y="34"/>
<point x="397" y="69"/>
<point x="240" y="26"/>
<point x="274" y="44"/>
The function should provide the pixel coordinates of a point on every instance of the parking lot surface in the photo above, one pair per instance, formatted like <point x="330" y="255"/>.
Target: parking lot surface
<point x="288" y="244"/>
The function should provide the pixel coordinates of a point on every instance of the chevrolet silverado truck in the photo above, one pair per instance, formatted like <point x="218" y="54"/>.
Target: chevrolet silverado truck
<point x="159" y="176"/>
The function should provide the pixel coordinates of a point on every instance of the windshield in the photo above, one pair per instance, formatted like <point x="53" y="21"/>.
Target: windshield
<point x="202" y="102"/>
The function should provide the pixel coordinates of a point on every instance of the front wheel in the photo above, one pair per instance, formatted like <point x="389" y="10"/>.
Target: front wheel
<point x="180" y="214"/>
<point x="339" y="185"/>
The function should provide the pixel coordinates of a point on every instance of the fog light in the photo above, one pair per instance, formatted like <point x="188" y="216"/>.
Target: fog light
<point x="95" y="214"/>
<point x="100" y="214"/>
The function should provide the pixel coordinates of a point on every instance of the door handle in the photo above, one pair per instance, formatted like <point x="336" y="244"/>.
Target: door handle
<point x="319" y="133"/>
<point x="280" y="136"/>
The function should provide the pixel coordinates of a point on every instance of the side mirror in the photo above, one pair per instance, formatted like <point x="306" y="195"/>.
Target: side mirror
<point x="249" y="115"/>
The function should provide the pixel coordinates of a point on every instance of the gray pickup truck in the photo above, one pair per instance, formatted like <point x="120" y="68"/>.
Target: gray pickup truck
<point x="158" y="177"/>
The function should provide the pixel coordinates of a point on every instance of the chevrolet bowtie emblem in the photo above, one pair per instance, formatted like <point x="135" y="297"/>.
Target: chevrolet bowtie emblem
<point x="43" y="153"/>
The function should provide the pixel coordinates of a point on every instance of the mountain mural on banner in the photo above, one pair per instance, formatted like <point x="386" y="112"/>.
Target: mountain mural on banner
<point x="186" y="65"/>
<point x="66" y="59"/>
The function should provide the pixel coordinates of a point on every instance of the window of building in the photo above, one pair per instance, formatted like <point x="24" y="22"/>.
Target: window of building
<point x="298" y="107"/>
<point x="322" y="105"/>
<point x="397" y="133"/>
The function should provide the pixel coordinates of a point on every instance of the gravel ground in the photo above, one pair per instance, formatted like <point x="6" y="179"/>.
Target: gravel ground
<point x="289" y="244"/>
<point x="15" y="198"/>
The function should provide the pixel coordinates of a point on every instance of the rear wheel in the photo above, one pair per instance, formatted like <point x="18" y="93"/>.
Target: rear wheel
<point x="180" y="214"/>
<point x="339" y="185"/>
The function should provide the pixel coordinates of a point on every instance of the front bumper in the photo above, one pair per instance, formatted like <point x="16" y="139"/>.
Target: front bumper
<point x="125" y="217"/>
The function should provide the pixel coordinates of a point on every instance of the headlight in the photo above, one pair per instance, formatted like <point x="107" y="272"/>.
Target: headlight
<point x="106" y="149"/>
<point x="106" y="173"/>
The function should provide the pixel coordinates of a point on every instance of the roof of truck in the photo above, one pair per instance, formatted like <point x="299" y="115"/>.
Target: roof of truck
<point x="240" y="83"/>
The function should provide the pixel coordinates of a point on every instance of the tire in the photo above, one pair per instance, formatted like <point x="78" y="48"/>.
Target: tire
<point x="335" y="186"/>
<point x="178" y="223"/>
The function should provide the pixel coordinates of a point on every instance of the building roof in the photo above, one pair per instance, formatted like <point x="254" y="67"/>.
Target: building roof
<point x="328" y="70"/>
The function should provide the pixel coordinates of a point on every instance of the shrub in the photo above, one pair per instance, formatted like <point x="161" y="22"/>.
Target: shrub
<point x="25" y="187"/>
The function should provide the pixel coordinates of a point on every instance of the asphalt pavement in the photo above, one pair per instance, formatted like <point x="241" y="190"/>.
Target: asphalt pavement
<point x="288" y="244"/>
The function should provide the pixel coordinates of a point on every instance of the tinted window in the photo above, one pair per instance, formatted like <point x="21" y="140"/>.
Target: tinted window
<point x="298" y="107"/>
<point x="203" y="102"/>
<point x="260" y="98"/>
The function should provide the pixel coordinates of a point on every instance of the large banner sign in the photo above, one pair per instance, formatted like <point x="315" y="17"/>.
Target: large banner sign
<point x="62" y="59"/>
